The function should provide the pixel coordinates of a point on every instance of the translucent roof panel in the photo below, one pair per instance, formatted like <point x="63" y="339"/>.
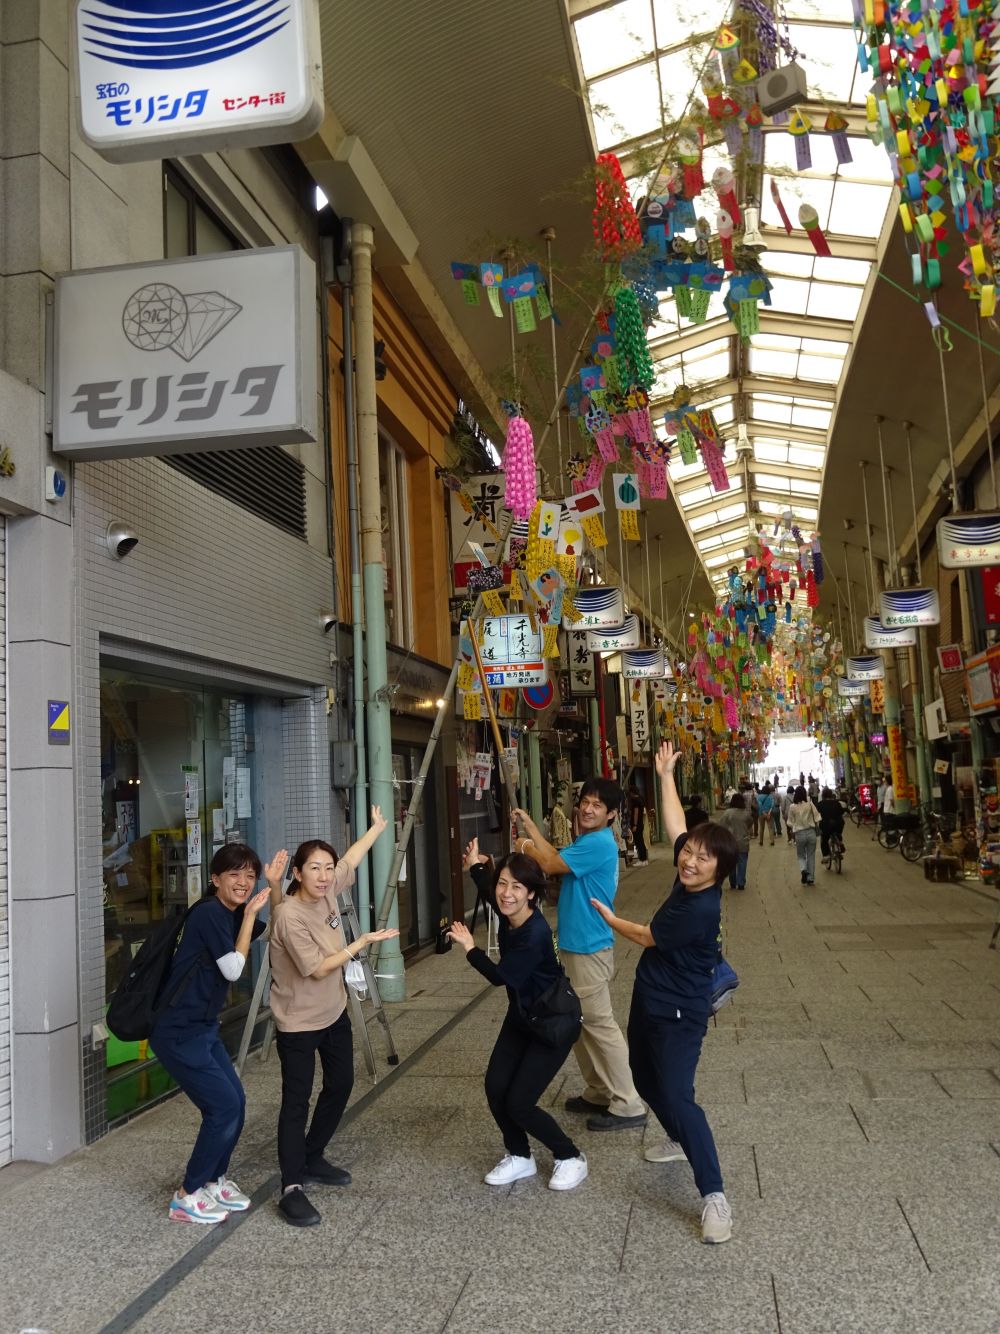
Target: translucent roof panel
<point x="642" y="62"/>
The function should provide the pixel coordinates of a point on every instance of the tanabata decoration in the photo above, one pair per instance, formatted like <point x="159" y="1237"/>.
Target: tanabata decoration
<point x="519" y="468"/>
<point x="630" y="336"/>
<point x="799" y="126"/>
<point x="724" y="226"/>
<point x="724" y="185"/>
<point x="836" y="128"/>
<point x="755" y="134"/>
<point x="689" y="153"/>
<point x="809" y="219"/>
<point x="616" y="227"/>
<point x="786" y="221"/>
<point x="743" y="299"/>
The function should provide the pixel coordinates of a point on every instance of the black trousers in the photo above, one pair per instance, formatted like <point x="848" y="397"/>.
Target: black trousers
<point x="824" y="836"/>
<point x="519" y="1072"/>
<point x="297" y="1053"/>
<point x="638" y="837"/>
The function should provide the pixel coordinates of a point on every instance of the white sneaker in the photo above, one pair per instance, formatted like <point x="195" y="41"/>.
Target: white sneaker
<point x="228" y="1195"/>
<point x="568" y="1173"/>
<point x="510" y="1169"/>
<point x="716" y="1219"/>
<point x="198" y="1207"/>
<point x="668" y="1151"/>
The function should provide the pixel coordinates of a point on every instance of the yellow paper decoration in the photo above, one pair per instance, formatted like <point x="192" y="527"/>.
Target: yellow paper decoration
<point x="533" y="560"/>
<point x="472" y="706"/>
<point x="566" y="565"/>
<point x="507" y="704"/>
<point x="593" y="527"/>
<point x="629" y="521"/>
<point x="550" y="641"/>
<point x="569" y="609"/>
<point x="466" y="676"/>
<point x="493" y="602"/>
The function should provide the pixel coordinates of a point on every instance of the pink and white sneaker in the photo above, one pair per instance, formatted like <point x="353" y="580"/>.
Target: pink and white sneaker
<point x="227" y="1195"/>
<point x="198" y="1207"/>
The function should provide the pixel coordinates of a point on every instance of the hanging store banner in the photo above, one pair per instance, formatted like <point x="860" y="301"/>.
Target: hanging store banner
<point x="183" y="356"/>
<point x="580" y="662"/>
<point x="877" y="636"/>
<point x="990" y="584"/>
<point x="597" y="607"/>
<point x="982" y="681"/>
<point x="473" y="515"/>
<point x="626" y="635"/>
<point x="877" y="689"/>
<point x="639" y="715"/>
<point x="968" y="541"/>
<point x="897" y="761"/>
<point x="511" y="650"/>
<point x="645" y="664"/>
<point x="851" y="689"/>
<point x="161" y="80"/>
<point x="949" y="658"/>
<point x="909" y="606"/>
<point x="870" y="668"/>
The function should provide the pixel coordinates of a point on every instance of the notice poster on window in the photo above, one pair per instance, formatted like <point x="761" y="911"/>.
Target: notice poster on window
<point x="218" y="828"/>
<point x="194" y="842"/>
<point x="229" y="791"/>
<point x="193" y="884"/>
<point x="243" y="794"/>
<point x="191" y="790"/>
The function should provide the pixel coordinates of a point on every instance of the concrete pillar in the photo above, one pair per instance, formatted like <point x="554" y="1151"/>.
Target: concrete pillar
<point x="392" y="983"/>
<point x="536" y="807"/>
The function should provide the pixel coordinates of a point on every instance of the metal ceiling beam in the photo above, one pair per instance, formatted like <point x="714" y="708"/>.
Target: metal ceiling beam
<point x="759" y="384"/>
<point x="841" y="246"/>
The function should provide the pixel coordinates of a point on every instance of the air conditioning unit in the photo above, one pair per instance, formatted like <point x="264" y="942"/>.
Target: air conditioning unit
<point x="781" y="88"/>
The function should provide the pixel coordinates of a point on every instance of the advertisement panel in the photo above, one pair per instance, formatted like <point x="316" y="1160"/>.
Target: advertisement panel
<point x="909" y="606"/>
<point x="968" y="541"/>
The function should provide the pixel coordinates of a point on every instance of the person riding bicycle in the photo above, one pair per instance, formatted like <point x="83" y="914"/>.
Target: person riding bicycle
<point x="831" y="814"/>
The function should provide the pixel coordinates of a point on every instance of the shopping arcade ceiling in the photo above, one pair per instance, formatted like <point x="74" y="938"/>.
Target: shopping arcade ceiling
<point x="478" y="132"/>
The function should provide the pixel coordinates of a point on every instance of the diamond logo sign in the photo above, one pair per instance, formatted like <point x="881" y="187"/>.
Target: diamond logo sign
<point x="159" y="316"/>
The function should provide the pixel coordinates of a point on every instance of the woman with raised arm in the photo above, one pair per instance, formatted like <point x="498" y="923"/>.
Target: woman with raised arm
<point x="521" y="1067"/>
<point x="672" y="998"/>
<point x="309" y="1003"/>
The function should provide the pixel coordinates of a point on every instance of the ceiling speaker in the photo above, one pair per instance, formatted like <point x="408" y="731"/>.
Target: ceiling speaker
<point x="781" y="88"/>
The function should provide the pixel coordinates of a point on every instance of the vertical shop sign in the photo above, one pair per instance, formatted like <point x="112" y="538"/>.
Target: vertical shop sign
<point x="151" y="84"/>
<point x="582" y="676"/>
<point x="639" y="714"/>
<point x="897" y="761"/>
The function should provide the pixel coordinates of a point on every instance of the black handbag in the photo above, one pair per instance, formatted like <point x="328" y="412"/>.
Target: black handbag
<point x="555" y="1017"/>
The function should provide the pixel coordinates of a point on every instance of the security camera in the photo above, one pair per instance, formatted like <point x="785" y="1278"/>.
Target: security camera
<point x="327" y="620"/>
<point x="120" y="539"/>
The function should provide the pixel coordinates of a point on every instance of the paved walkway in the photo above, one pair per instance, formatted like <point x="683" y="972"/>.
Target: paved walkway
<point x="852" y="1085"/>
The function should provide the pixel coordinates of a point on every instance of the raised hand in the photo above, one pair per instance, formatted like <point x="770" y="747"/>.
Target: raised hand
<point x="388" y="934"/>
<point x="666" y="759"/>
<point x="254" y="905"/>
<point x="378" y="822"/>
<point x="274" y="870"/>
<point x="461" y="935"/>
<point x="472" y="855"/>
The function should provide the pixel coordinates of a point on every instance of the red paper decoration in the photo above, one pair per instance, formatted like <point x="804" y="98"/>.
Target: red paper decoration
<point x="616" y="228"/>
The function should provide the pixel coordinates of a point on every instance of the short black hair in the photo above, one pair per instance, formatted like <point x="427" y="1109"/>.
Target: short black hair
<point x="718" y="842"/>
<point x="606" y="790"/>
<point x="800" y="796"/>
<point x="233" y="857"/>
<point x="736" y="802"/>
<point x="525" y="871"/>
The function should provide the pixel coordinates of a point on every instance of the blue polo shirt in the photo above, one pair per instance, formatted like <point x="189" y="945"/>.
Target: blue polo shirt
<point x="593" y="874"/>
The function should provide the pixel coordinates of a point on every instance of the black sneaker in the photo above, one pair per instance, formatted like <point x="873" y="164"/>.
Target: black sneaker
<point x="611" y="1122"/>
<point x="321" y="1173"/>
<point x="587" y="1108"/>
<point x="297" y="1210"/>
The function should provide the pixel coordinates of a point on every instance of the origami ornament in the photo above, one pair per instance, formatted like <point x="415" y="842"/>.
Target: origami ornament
<point x="836" y="128"/>
<point x="689" y="151"/>
<point x="519" y="468"/>
<point x="799" y="126"/>
<point x="630" y="336"/>
<point x="724" y="226"/>
<point x="616" y="227"/>
<point x="755" y="134"/>
<point x="724" y="185"/>
<point x="809" y="219"/>
<point x="786" y="221"/>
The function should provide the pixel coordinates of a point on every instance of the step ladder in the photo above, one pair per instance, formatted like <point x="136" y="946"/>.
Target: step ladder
<point x="360" y="1017"/>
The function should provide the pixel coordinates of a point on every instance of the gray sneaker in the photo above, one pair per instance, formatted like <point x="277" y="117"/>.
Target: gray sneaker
<point x="667" y="1151"/>
<point x="716" y="1219"/>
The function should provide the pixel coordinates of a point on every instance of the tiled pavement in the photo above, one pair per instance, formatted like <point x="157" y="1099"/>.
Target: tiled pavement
<point x="854" y="1090"/>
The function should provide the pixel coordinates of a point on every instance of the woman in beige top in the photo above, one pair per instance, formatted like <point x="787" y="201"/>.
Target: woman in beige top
<point x="309" y="1004"/>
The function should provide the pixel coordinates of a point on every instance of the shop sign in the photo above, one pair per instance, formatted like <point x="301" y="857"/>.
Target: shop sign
<point x="877" y="696"/>
<point x="580" y="662"/>
<point x="950" y="658"/>
<point x="474" y="519"/>
<point x="169" y="80"/>
<point x="183" y="356"/>
<point x="639" y="715"/>
<point x="935" y="720"/>
<point x="870" y="668"/>
<point x="877" y="636"/>
<point x="645" y="663"/>
<point x="597" y="607"/>
<point x="909" y="606"/>
<point x="990" y="577"/>
<point x="851" y="689"/>
<point x="877" y="738"/>
<point x="982" y="681"/>
<point x="968" y="541"/>
<point x="511" y="651"/>
<point x="626" y="635"/>
<point x="897" y="761"/>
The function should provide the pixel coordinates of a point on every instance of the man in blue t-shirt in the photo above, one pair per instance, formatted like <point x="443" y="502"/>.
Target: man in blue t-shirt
<point x="589" y="870"/>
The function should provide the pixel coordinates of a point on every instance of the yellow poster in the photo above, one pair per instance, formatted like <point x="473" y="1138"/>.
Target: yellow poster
<point x="897" y="760"/>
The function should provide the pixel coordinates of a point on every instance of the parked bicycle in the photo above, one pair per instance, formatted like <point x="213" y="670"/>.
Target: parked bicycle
<point x="861" y="815"/>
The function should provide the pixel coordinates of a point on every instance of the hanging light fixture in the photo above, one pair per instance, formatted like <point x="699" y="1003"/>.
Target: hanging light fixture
<point x="752" y="239"/>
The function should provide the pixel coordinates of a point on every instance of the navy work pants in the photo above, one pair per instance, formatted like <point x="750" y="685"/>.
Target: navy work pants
<point x="197" y="1060"/>
<point x="663" y="1054"/>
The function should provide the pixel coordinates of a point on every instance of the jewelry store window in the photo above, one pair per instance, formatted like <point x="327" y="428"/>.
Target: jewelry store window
<point x="177" y="782"/>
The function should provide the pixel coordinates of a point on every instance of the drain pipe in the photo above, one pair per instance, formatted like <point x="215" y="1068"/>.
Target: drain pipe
<point x="345" y="275"/>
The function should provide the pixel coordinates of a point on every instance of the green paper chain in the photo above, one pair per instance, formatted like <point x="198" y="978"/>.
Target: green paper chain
<point x="630" y="338"/>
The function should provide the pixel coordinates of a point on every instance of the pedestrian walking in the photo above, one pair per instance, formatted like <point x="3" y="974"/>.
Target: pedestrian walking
<point x="309" y="953"/>
<point x="211" y="956"/>
<point x="521" y="1066"/>
<point x="671" y="1000"/>
<point x="787" y="798"/>
<point x="803" y="820"/>
<point x="765" y="808"/>
<point x="736" y="818"/>
<point x="589" y="869"/>
<point x="637" y="816"/>
<point x="831" y="816"/>
<point x="695" y="814"/>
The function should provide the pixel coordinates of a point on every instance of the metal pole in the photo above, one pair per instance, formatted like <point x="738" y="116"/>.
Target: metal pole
<point x="850" y="600"/>
<point x="885" y="503"/>
<point x="926" y="679"/>
<point x="868" y="534"/>
<point x="360" y="821"/>
<point x="548" y="236"/>
<point x="378" y="715"/>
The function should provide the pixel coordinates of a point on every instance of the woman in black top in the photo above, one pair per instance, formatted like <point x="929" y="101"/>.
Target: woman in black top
<point x="831" y="821"/>
<point x="521" y="1067"/>
<point x="672" y="998"/>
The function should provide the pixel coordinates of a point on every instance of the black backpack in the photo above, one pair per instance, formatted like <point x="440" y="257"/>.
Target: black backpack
<point x="143" y="994"/>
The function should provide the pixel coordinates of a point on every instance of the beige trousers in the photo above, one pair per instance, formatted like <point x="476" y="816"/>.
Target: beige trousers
<point x="601" y="1051"/>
